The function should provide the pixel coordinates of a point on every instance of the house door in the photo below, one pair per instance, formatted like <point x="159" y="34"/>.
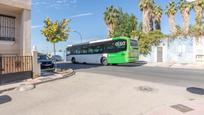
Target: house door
<point x="159" y="54"/>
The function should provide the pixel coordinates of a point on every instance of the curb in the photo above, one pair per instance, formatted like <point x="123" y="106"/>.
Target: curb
<point x="63" y="77"/>
<point x="66" y="75"/>
<point x="8" y="89"/>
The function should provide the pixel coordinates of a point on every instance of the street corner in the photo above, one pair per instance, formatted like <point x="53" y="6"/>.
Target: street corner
<point x="195" y="107"/>
<point x="30" y="84"/>
<point x="52" y="76"/>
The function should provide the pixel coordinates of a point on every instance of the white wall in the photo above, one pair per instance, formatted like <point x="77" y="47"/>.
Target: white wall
<point x="178" y="50"/>
<point x="198" y="50"/>
<point x="21" y="9"/>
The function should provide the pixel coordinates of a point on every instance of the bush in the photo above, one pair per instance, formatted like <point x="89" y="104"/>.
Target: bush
<point x="147" y="40"/>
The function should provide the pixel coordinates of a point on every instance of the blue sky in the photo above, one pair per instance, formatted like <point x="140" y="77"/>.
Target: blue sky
<point x="87" y="18"/>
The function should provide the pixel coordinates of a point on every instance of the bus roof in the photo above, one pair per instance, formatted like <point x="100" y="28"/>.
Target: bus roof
<point x="90" y="42"/>
<point x="97" y="41"/>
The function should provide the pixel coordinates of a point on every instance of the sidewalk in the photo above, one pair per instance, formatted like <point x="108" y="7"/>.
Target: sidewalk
<point x="97" y="94"/>
<point x="186" y="108"/>
<point x="46" y="77"/>
<point x="182" y="66"/>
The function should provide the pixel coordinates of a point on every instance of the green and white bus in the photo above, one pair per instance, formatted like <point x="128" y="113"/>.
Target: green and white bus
<point x="116" y="50"/>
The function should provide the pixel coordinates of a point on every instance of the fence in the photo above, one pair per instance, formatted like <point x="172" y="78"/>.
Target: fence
<point x="15" y="68"/>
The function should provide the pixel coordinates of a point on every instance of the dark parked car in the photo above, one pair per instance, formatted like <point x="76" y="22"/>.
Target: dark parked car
<point x="45" y="62"/>
<point x="57" y="58"/>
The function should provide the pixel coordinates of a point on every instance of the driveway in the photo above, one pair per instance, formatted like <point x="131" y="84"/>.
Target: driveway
<point x="89" y="93"/>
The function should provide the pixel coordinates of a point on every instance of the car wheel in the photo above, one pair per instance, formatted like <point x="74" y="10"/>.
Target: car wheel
<point x="104" y="61"/>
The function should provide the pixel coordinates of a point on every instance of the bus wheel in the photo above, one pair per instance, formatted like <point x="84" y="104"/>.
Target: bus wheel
<point x="73" y="60"/>
<point x="104" y="61"/>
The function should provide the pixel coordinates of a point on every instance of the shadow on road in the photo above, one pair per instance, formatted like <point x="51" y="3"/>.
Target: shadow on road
<point x="5" y="99"/>
<point x="195" y="90"/>
<point x="66" y="65"/>
<point x="76" y="66"/>
<point x="136" y="64"/>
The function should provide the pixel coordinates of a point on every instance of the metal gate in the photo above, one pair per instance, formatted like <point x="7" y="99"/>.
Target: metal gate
<point x="15" y="68"/>
<point x="159" y="54"/>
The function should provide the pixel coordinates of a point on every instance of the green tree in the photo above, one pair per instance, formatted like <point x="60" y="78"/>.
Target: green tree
<point x="55" y="32"/>
<point x="125" y="25"/>
<point x="147" y="40"/>
<point x="198" y="7"/>
<point x="136" y="33"/>
<point x="119" y="23"/>
<point x="185" y="8"/>
<point x="157" y="13"/>
<point x="111" y="16"/>
<point x="171" y="10"/>
<point x="146" y="7"/>
<point x="198" y="29"/>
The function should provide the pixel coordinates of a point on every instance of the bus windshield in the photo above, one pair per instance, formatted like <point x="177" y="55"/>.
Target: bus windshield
<point x="116" y="46"/>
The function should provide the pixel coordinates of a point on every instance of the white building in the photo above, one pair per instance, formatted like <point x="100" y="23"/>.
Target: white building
<point x="186" y="50"/>
<point x="15" y="27"/>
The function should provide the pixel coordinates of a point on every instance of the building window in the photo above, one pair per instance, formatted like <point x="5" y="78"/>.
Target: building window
<point x="7" y="28"/>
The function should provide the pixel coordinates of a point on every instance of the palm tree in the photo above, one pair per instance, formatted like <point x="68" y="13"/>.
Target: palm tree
<point x="157" y="13"/>
<point x="198" y="7"/>
<point x="146" y="8"/>
<point x="111" y="15"/>
<point x="185" y="8"/>
<point x="171" y="11"/>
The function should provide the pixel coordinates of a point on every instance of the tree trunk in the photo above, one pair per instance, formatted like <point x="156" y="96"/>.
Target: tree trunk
<point x="172" y="24"/>
<point x="199" y="12"/>
<point x="110" y="30"/>
<point x="54" y="48"/>
<point x="157" y="25"/>
<point x="185" y="15"/>
<point x="151" y="24"/>
<point x="146" y="25"/>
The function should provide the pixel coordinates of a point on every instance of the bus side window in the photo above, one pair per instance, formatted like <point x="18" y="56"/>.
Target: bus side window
<point x="90" y="50"/>
<point x="110" y="48"/>
<point x="78" y="51"/>
<point x="98" y="49"/>
<point x="84" y="51"/>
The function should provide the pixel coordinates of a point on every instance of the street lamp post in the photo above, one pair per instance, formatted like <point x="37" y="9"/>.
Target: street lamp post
<point x="78" y="34"/>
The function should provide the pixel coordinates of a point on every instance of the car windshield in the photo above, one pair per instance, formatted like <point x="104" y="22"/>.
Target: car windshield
<point x="43" y="57"/>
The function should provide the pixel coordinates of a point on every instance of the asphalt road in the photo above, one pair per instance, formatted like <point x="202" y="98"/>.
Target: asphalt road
<point x="107" y="92"/>
<point x="170" y="76"/>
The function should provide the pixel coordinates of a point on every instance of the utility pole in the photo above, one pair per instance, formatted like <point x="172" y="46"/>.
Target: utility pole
<point x="78" y="34"/>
